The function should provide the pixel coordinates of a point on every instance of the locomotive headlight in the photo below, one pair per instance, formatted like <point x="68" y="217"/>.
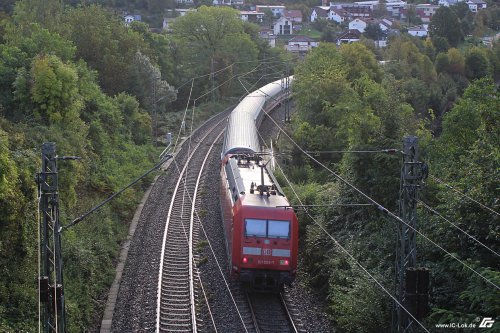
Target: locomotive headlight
<point x="284" y="262"/>
<point x="245" y="260"/>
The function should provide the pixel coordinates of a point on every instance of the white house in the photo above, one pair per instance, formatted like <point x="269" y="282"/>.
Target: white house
<point x="418" y="31"/>
<point x="475" y="5"/>
<point x="358" y="24"/>
<point x="276" y="10"/>
<point x="131" y="18"/>
<point x="251" y="16"/>
<point x="338" y="15"/>
<point x="301" y="44"/>
<point x="319" y="12"/>
<point x="283" y="26"/>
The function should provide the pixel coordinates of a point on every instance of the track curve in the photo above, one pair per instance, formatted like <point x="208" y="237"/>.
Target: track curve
<point x="175" y="294"/>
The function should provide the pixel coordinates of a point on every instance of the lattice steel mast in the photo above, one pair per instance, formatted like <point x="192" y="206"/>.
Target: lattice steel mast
<point x="51" y="291"/>
<point x="412" y="283"/>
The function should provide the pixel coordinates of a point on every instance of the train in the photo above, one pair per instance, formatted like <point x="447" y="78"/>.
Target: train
<point x="261" y="228"/>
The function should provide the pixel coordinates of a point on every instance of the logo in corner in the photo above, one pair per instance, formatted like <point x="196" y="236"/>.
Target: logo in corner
<point x="486" y="322"/>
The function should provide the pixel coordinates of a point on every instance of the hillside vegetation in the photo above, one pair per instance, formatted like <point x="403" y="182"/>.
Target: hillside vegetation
<point x="108" y="93"/>
<point x="79" y="77"/>
<point x="346" y="101"/>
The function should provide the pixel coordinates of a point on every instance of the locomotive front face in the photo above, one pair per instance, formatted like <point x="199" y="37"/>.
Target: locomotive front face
<point x="268" y="251"/>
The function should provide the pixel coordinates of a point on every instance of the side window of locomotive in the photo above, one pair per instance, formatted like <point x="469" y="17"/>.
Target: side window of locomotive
<point x="279" y="229"/>
<point x="255" y="228"/>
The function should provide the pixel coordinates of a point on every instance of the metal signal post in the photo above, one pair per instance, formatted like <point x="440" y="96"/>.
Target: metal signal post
<point x="412" y="283"/>
<point x="50" y="281"/>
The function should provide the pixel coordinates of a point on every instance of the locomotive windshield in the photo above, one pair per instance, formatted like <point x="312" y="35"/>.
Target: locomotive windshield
<point x="254" y="227"/>
<point x="278" y="229"/>
<point x="267" y="228"/>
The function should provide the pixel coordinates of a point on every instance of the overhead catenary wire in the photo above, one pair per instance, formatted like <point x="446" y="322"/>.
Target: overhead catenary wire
<point x="380" y="207"/>
<point x="186" y="192"/>
<point x="464" y="195"/>
<point x="227" y="67"/>
<point x="223" y="83"/>
<point x="345" y="250"/>
<point x="389" y="151"/>
<point x="457" y="227"/>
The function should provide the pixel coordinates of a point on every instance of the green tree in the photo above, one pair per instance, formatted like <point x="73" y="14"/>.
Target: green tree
<point x="212" y="38"/>
<point x="148" y="87"/>
<point x="47" y="13"/>
<point x="445" y="23"/>
<point x="361" y="61"/>
<point x="54" y="91"/>
<point x="373" y="31"/>
<point x="105" y="44"/>
<point x="477" y="64"/>
<point x="440" y="43"/>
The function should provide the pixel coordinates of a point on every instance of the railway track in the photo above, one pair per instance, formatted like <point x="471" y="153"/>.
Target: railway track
<point x="270" y="313"/>
<point x="176" y="284"/>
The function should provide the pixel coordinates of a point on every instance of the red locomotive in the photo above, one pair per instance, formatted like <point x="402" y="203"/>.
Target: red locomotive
<point x="261" y="229"/>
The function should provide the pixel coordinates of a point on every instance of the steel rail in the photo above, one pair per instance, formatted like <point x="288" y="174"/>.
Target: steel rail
<point x="252" y="313"/>
<point x="288" y="314"/>
<point x="191" y="225"/>
<point x="268" y="320"/>
<point x="165" y="239"/>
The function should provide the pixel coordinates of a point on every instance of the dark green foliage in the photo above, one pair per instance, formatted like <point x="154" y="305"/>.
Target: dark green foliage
<point x="345" y="103"/>
<point x="373" y="31"/>
<point x="477" y="64"/>
<point x="48" y="95"/>
<point x="105" y="44"/>
<point x="445" y="23"/>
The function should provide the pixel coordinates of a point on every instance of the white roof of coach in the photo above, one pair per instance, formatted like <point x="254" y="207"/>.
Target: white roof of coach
<point x="241" y="131"/>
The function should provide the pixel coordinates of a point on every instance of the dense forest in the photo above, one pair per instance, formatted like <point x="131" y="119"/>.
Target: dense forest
<point x="348" y="102"/>
<point x="76" y="75"/>
<point x="79" y="77"/>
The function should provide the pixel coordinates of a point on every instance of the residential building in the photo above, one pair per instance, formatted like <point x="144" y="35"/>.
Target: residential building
<point x="418" y="31"/>
<point x="358" y="24"/>
<point x="363" y="9"/>
<point x="301" y="44"/>
<point x="293" y="14"/>
<point x="319" y="12"/>
<point x="425" y="11"/>
<point x="276" y="10"/>
<point x="131" y="18"/>
<point x="283" y="26"/>
<point x="338" y="15"/>
<point x="475" y="5"/>
<point x="269" y="36"/>
<point x="182" y="11"/>
<point x="251" y="16"/>
<point x="348" y="37"/>
<point x="395" y="8"/>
